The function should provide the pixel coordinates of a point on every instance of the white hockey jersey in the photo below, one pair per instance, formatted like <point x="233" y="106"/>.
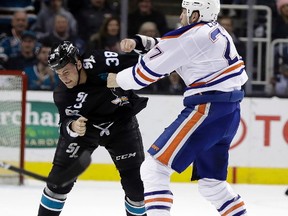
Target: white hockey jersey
<point x="203" y="54"/>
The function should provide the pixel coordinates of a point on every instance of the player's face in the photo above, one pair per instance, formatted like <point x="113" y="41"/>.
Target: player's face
<point x="183" y="17"/>
<point x="68" y="75"/>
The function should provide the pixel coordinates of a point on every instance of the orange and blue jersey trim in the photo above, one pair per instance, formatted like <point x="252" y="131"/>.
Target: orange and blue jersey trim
<point x="216" y="80"/>
<point x="136" y="79"/>
<point x="138" y="73"/>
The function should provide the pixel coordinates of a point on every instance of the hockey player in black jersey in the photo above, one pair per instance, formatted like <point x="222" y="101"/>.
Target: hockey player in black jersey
<point x="93" y="115"/>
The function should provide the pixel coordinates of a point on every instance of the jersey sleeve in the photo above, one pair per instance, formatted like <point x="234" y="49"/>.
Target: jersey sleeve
<point x="161" y="60"/>
<point x="111" y="62"/>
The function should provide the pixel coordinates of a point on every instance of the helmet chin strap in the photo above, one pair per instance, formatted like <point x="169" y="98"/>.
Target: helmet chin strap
<point x="79" y="73"/>
<point x="188" y="18"/>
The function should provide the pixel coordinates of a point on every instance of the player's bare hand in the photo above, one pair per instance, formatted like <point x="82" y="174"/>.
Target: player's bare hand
<point x="127" y="45"/>
<point x="111" y="81"/>
<point x="79" y="126"/>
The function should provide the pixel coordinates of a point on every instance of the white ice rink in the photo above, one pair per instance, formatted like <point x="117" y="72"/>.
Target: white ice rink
<point x="93" y="198"/>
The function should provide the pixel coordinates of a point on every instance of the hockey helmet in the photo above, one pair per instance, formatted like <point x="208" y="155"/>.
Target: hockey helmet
<point x="63" y="54"/>
<point x="208" y="9"/>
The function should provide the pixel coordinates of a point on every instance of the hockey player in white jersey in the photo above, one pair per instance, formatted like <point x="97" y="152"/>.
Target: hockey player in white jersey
<point x="204" y="55"/>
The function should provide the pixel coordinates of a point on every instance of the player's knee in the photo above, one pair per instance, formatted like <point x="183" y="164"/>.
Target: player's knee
<point x="153" y="171"/>
<point x="209" y="187"/>
<point x="148" y="169"/>
<point x="53" y="174"/>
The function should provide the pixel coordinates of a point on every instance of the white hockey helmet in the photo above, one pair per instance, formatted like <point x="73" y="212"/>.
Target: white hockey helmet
<point x="208" y="9"/>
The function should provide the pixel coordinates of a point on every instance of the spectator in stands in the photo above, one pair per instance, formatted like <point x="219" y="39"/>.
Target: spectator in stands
<point x="108" y="37"/>
<point x="280" y="82"/>
<point x="8" y="9"/>
<point x="280" y="30"/>
<point x="26" y="57"/>
<point x="10" y="45"/>
<point x="61" y="32"/>
<point x="228" y="24"/>
<point x="92" y="17"/>
<point x="40" y="75"/>
<point x="280" y="23"/>
<point x="280" y="56"/>
<point x="260" y="28"/>
<point x="145" y="12"/>
<point x="149" y="29"/>
<point x="45" y="20"/>
<point x="228" y="12"/>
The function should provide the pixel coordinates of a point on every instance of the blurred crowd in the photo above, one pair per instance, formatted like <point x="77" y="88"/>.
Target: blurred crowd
<point x="29" y="28"/>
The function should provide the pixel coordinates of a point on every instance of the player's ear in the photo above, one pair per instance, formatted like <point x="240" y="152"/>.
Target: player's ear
<point x="195" y="16"/>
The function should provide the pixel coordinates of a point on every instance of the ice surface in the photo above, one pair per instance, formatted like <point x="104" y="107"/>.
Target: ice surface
<point x="91" y="198"/>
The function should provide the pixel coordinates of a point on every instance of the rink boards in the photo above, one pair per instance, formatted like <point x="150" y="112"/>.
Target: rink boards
<point x="258" y="153"/>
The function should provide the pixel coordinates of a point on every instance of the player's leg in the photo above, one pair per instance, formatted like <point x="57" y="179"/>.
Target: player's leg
<point x="211" y="170"/>
<point x="134" y="191"/>
<point x="126" y="150"/>
<point x="157" y="194"/>
<point x="171" y="151"/>
<point x="196" y="129"/>
<point x="53" y="198"/>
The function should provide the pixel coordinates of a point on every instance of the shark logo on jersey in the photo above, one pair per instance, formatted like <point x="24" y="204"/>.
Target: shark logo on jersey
<point x="120" y="101"/>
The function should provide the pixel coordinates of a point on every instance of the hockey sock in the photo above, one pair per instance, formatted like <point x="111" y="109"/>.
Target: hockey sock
<point x="51" y="203"/>
<point x="157" y="194"/>
<point x="134" y="208"/>
<point x="233" y="207"/>
<point x="221" y="195"/>
<point x="158" y="202"/>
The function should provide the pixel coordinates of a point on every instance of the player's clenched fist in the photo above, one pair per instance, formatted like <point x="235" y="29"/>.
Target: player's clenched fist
<point x="79" y="126"/>
<point x="127" y="45"/>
